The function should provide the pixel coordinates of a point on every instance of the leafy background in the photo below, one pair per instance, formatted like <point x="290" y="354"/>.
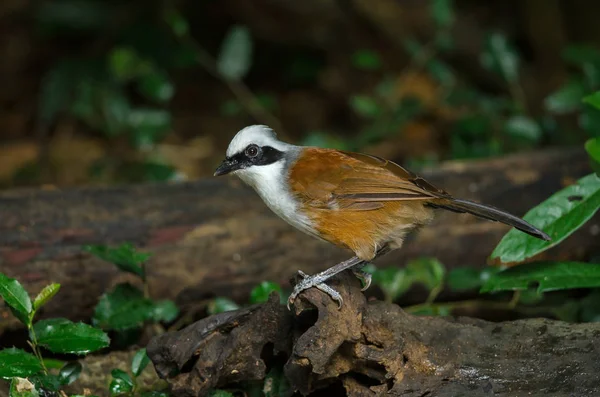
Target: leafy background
<point x="106" y="91"/>
<point x="99" y="91"/>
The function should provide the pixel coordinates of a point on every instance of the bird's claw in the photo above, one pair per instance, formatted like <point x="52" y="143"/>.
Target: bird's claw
<point x="307" y="282"/>
<point x="364" y="277"/>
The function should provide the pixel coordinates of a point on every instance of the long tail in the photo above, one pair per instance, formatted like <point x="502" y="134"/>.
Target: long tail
<point x="491" y="213"/>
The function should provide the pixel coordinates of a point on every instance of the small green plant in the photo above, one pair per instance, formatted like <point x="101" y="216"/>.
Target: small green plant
<point x="127" y="307"/>
<point x="29" y="373"/>
<point x="126" y="384"/>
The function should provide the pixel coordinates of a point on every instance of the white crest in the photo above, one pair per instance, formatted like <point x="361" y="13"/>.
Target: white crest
<point x="260" y="135"/>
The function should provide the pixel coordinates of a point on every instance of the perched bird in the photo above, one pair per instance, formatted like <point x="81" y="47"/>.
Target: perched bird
<point x="356" y="201"/>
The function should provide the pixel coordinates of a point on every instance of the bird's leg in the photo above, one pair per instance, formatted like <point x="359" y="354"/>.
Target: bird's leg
<point x="318" y="281"/>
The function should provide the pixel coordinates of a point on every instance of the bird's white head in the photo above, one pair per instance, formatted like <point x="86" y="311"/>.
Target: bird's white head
<point x="256" y="155"/>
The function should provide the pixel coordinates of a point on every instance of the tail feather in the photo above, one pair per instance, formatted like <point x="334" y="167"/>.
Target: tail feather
<point x="491" y="213"/>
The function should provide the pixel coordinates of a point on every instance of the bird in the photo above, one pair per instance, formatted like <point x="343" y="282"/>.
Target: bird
<point x="360" y="202"/>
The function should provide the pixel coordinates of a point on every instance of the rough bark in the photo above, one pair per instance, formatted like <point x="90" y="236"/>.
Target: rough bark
<point x="374" y="348"/>
<point x="216" y="237"/>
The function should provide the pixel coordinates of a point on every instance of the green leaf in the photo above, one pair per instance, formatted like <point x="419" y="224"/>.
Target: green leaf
<point x="500" y="57"/>
<point x="567" y="99"/>
<point x="46" y="382"/>
<point x="220" y="305"/>
<point x="124" y="307"/>
<point x="60" y="335"/>
<point x="520" y="126"/>
<point x="121" y="383"/>
<point x="589" y="120"/>
<point x="365" y="106"/>
<point x="366" y="60"/>
<point x="559" y="216"/>
<point x="51" y="363"/>
<point x="593" y="99"/>
<point x="467" y="278"/>
<point x="442" y="13"/>
<point x="139" y="362"/>
<point x="235" y="56"/>
<point x="165" y="311"/>
<point x="276" y="384"/>
<point x="45" y="295"/>
<point x="21" y="387"/>
<point x="16" y="297"/>
<point x="122" y="375"/>
<point x="156" y="86"/>
<point x="549" y="276"/>
<point x="261" y="292"/>
<point x="125" y="257"/>
<point x="427" y="271"/>
<point x="125" y="64"/>
<point x="177" y="22"/>
<point x="155" y="393"/>
<point x="592" y="146"/>
<point x="69" y="373"/>
<point x="16" y="362"/>
<point x="393" y="281"/>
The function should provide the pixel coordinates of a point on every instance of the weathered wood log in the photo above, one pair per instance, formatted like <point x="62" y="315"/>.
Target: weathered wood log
<point x="374" y="349"/>
<point x="216" y="237"/>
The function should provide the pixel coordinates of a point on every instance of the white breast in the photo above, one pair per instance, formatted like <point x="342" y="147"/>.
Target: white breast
<point x="269" y="182"/>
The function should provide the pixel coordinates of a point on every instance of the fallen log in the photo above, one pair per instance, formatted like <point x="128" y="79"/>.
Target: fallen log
<point x="375" y="348"/>
<point x="216" y="237"/>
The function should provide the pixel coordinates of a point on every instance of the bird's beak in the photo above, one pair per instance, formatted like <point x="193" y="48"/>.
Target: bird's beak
<point x="226" y="167"/>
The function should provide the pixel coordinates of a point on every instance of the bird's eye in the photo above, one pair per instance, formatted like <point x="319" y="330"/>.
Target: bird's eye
<point x="252" y="151"/>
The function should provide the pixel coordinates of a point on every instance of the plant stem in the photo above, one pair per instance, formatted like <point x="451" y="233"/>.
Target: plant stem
<point x="34" y="345"/>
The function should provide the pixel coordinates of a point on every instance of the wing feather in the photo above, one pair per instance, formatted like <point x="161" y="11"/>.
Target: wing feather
<point x="356" y="181"/>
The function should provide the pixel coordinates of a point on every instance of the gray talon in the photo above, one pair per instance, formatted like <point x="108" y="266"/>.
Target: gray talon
<point x="308" y="282"/>
<point x="364" y="277"/>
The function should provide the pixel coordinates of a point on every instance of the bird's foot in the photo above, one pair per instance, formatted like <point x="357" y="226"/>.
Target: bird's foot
<point x="364" y="277"/>
<point x="316" y="281"/>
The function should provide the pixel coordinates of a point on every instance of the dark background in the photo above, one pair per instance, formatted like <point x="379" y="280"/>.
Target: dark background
<point x="107" y="91"/>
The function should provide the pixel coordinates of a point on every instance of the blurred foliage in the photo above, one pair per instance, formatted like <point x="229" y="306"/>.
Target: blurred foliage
<point x="121" y="82"/>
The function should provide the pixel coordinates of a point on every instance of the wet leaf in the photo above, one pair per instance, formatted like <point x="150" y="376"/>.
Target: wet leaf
<point x="549" y="276"/>
<point x="60" y="335"/>
<point x="139" y="362"/>
<point x="393" y="281"/>
<point x="559" y="216"/>
<point x="46" y="382"/>
<point x="16" y="297"/>
<point x="121" y="383"/>
<point x="45" y="295"/>
<point x="427" y="271"/>
<point x="16" y="362"/>
<point x="235" y="57"/>
<point x="592" y="146"/>
<point x="69" y="373"/>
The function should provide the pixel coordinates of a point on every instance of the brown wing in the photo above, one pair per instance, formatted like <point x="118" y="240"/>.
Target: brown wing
<point x="355" y="181"/>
